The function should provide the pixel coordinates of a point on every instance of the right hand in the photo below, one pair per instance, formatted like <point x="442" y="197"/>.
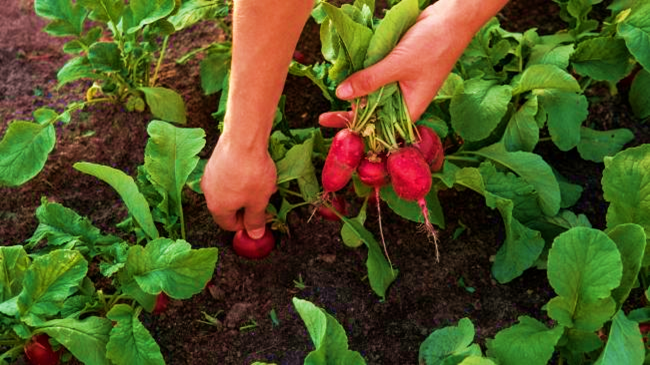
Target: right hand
<point x="237" y="184"/>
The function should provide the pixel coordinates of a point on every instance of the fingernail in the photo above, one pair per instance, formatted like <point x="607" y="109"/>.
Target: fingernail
<point x="256" y="234"/>
<point x="344" y="91"/>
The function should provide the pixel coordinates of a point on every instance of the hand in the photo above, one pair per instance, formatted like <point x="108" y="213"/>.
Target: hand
<point x="237" y="184"/>
<point x="420" y="63"/>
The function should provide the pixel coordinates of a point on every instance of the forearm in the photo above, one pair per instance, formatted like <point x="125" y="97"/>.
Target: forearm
<point x="265" y="34"/>
<point x="466" y="17"/>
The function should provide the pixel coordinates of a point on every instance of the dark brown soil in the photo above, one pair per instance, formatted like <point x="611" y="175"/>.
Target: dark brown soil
<point x="426" y="295"/>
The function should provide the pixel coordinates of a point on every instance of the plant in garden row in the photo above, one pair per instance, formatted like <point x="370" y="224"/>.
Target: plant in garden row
<point x="49" y="292"/>
<point x="114" y="44"/>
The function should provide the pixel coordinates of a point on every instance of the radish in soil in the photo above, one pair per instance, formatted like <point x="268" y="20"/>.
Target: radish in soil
<point x="338" y="203"/>
<point x="161" y="303"/>
<point x="411" y="179"/>
<point x="253" y="249"/>
<point x="344" y="156"/>
<point x="431" y="148"/>
<point x="39" y="351"/>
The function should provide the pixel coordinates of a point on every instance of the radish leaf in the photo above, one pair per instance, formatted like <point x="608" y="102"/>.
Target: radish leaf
<point x="85" y="339"/>
<point x="450" y="344"/>
<point x="24" y="150"/>
<point x="528" y="341"/>
<point x="130" y="342"/>
<point x="624" y="343"/>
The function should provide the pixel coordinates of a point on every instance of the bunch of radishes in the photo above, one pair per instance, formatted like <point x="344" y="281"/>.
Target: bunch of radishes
<point x="384" y="147"/>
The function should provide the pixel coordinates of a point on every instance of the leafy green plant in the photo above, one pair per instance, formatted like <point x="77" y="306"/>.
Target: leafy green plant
<point x="329" y="338"/>
<point x="49" y="291"/>
<point x="593" y="273"/>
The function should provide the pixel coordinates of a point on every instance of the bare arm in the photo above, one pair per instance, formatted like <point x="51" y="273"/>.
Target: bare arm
<point x="240" y="176"/>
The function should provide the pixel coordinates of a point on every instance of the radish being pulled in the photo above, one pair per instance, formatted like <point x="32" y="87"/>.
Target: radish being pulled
<point x="344" y="156"/>
<point x="431" y="148"/>
<point x="411" y="179"/>
<point x="253" y="249"/>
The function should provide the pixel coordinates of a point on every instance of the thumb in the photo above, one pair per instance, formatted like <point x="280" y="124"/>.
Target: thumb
<point x="255" y="221"/>
<point x="369" y="79"/>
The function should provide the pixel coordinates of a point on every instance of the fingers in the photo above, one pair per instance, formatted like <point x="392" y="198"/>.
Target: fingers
<point x="254" y="221"/>
<point x="228" y="220"/>
<point x="337" y="119"/>
<point x="369" y="79"/>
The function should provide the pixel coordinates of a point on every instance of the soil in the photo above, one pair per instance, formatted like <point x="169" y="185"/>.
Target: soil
<point x="427" y="294"/>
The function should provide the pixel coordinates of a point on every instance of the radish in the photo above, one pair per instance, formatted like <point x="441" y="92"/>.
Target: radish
<point x="411" y="179"/>
<point x="338" y="204"/>
<point x="431" y="148"/>
<point x="344" y="156"/>
<point x="372" y="171"/>
<point x="162" y="300"/>
<point x="253" y="249"/>
<point x="39" y="351"/>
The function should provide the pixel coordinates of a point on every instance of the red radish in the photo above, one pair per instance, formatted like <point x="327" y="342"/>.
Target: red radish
<point x="161" y="303"/>
<point x="39" y="351"/>
<point x="339" y="204"/>
<point x="344" y="156"/>
<point x="372" y="171"/>
<point x="299" y="57"/>
<point x="253" y="249"/>
<point x="411" y="179"/>
<point x="431" y="148"/>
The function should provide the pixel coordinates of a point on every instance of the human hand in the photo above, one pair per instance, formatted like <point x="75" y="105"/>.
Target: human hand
<point x="420" y="63"/>
<point x="237" y="184"/>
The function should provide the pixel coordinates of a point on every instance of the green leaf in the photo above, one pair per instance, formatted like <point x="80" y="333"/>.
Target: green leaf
<point x="564" y="113"/>
<point x="624" y="343"/>
<point x="584" y="265"/>
<point x="630" y="239"/>
<point x="24" y="150"/>
<point x="602" y="59"/>
<point x="478" y="109"/>
<point x="635" y="29"/>
<point x="105" y="11"/>
<point x="533" y="169"/>
<point x="328" y="337"/>
<point x="148" y="11"/>
<point x="171" y="266"/>
<point x="639" y="96"/>
<point x="49" y="281"/>
<point x="194" y="11"/>
<point x="355" y="37"/>
<point x="411" y="210"/>
<point x="67" y="18"/>
<point x="194" y="180"/>
<point x="297" y="165"/>
<point x="85" y="339"/>
<point x="128" y="191"/>
<point x="165" y="104"/>
<point x="522" y="131"/>
<point x="350" y="236"/>
<point x="170" y="157"/>
<point x="522" y="245"/>
<point x="105" y="56"/>
<point x="550" y="54"/>
<point x="527" y="342"/>
<point x="380" y="272"/>
<point x="595" y="145"/>
<point x="545" y="76"/>
<point x="214" y="69"/>
<point x="59" y="225"/>
<point x="75" y="69"/>
<point x="14" y="263"/>
<point x="626" y="186"/>
<point x="130" y="342"/>
<point x="390" y="29"/>
<point x="449" y="345"/>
